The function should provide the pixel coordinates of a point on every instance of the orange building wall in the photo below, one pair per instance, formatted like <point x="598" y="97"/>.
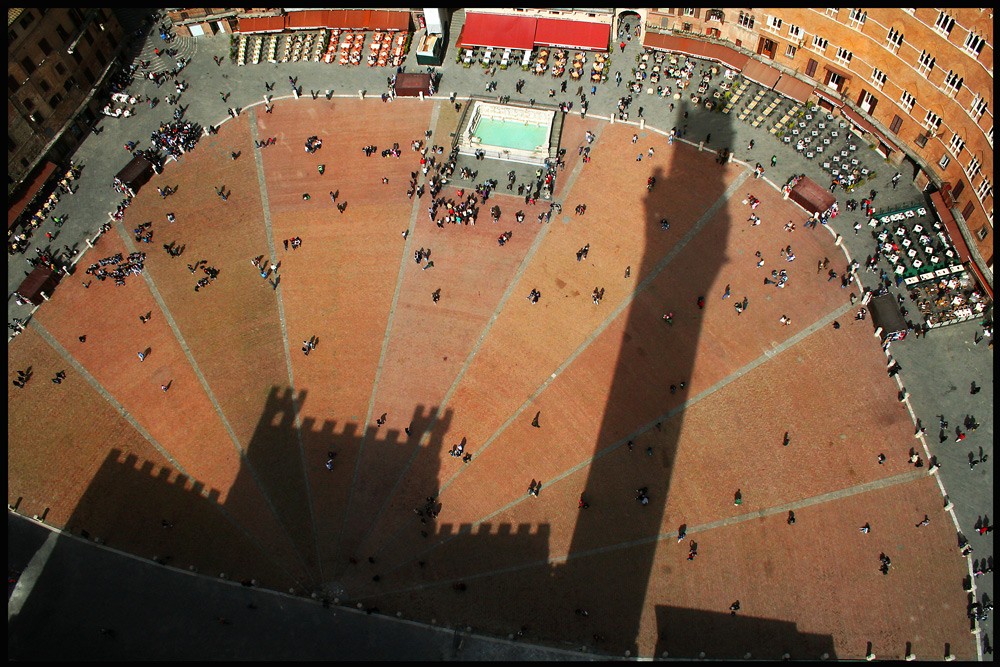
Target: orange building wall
<point x="869" y="46"/>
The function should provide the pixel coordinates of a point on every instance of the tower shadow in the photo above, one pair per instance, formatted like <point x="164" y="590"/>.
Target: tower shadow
<point x="652" y="379"/>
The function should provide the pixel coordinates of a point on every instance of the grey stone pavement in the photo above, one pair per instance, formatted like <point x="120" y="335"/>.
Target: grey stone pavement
<point x="936" y="370"/>
<point x="70" y="590"/>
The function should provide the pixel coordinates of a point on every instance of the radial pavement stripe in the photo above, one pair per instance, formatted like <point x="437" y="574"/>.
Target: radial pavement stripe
<point x="625" y="303"/>
<point x="414" y="210"/>
<point x="819" y="324"/>
<point x="867" y="487"/>
<point x="258" y="158"/>
<point x="244" y="461"/>
<point x="514" y="281"/>
<point x="120" y="409"/>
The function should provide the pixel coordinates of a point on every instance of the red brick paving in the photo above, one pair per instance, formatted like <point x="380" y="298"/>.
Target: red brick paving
<point x="431" y="342"/>
<point x="339" y="285"/>
<point x="72" y="453"/>
<point x="109" y="316"/>
<point x="797" y="591"/>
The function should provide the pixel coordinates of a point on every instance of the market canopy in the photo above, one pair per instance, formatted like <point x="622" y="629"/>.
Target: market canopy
<point x="886" y="316"/>
<point x="573" y="34"/>
<point x="763" y="74"/>
<point x="383" y="19"/>
<point x="42" y="280"/>
<point x="136" y="173"/>
<point x="792" y="88"/>
<point x="811" y="196"/>
<point x="500" y="31"/>
<point x="411" y="84"/>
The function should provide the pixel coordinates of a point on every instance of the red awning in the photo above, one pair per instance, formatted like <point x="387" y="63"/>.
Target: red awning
<point x="797" y="90"/>
<point x="723" y="54"/>
<point x="355" y="19"/>
<point x="573" y="34"/>
<point x="761" y="73"/>
<point x="505" y="32"/>
<point x="860" y="121"/>
<point x="829" y="97"/>
<point x="31" y="188"/>
<point x="262" y="24"/>
<point x="696" y="48"/>
<point x="395" y="20"/>
<point x="839" y="72"/>
<point x="309" y="19"/>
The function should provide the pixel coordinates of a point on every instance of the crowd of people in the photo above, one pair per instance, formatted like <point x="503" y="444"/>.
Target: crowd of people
<point x="118" y="267"/>
<point x="176" y="137"/>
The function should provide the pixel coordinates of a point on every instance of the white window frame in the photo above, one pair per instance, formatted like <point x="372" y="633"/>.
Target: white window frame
<point x="790" y="50"/>
<point x="973" y="167"/>
<point x="879" y="78"/>
<point x="819" y="44"/>
<point x="978" y="108"/>
<point x="944" y="161"/>
<point x="893" y="40"/>
<point x="953" y="84"/>
<point x="794" y="31"/>
<point x="974" y="44"/>
<point x="983" y="190"/>
<point x="956" y="145"/>
<point x="932" y="121"/>
<point x="772" y="23"/>
<point x="857" y="18"/>
<point x="844" y="56"/>
<point x="832" y="12"/>
<point x="906" y="101"/>
<point x="745" y="21"/>
<point x="866" y="101"/>
<point x="925" y="64"/>
<point x="944" y="24"/>
<point x="688" y="11"/>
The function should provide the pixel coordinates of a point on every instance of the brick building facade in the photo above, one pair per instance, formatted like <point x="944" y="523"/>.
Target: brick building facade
<point x="56" y="59"/>
<point x="922" y="79"/>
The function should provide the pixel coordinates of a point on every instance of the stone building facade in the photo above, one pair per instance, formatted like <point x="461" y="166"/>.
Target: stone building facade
<point x="56" y="59"/>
